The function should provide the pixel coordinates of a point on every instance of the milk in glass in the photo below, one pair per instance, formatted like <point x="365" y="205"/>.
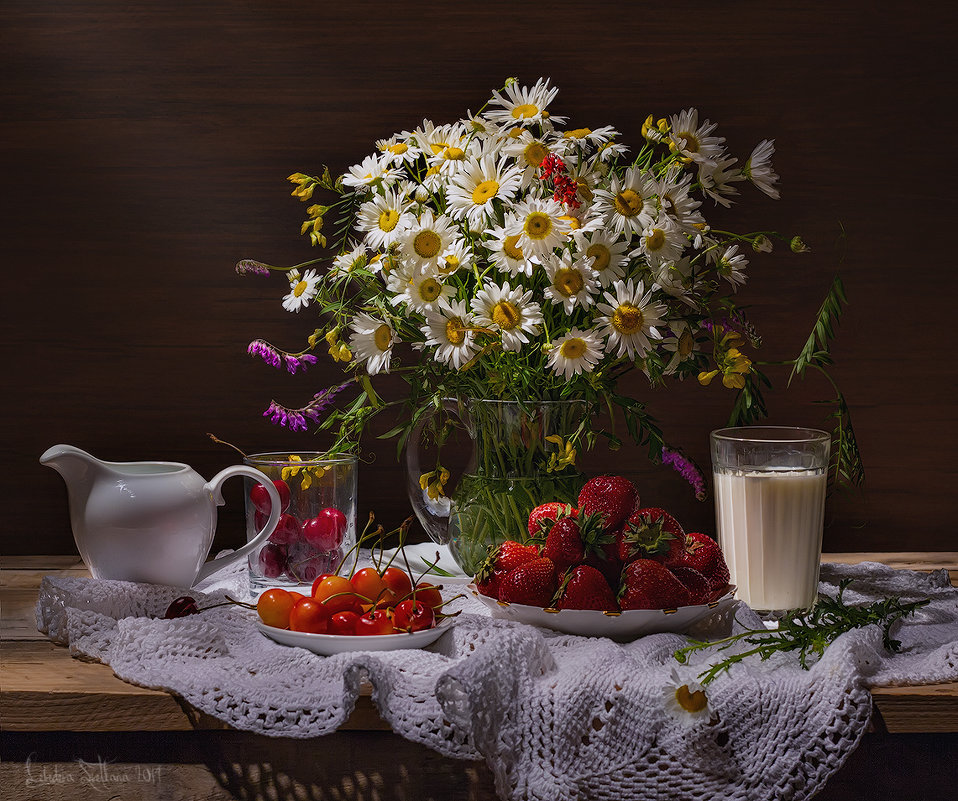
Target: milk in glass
<point x="770" y="531"/>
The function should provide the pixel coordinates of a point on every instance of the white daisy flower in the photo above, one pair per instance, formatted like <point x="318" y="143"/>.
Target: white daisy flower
<point x="372" y="342"/>
<point x="540" y="226"/>
<point x="507" y="255"/>
<point x="419" y="289"/>
<point x="680" y="342"/>
<point x="302" y="289"/>
<point x="716" y="180"/>
<point x="472" y="191"/>
<point x="434" y="139"/>
<point x="575" y="352"/>
<point x="398" y="150"/>
<point x="350" y="260"/>
<point x="448" y="328"/>
<point x="676" y="201"/>
<point x="458" y="256"/>
<point x="382" y="218"/>
<point x="373" y="171"/>
<point x="692" y="140"/>
<point x="758" y="168"/>
<point x="529" y="152"/>
<point x="451" y="160"/>
<point x="629" y="317"/>
<point x="675" y="278"/>
<point x="523" y="105"/>
<point x="611" y="150"/>
<point x="572" y="283"/>
<point x="509" y="311"/>
<point x="661" y="241"/>
<point x="686" y="700"/>
<point x="478" y="126"/>
<point x="608" y="254"/>
<point x="628" y="203"/>
<point x="587" y="136"/>
<point x="424" y="240"/>
<point x="731" y="267"/>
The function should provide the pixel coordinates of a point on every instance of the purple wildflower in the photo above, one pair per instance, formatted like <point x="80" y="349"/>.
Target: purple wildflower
<point x="277" y="358"/>
<point x="687" y="469"/>
<point x="295" y="419"/>
<point x="251" y="267"/>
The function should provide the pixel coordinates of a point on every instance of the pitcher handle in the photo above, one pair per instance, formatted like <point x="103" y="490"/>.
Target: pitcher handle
<point x="215" y="487"/>
<point x="432" y="515"/>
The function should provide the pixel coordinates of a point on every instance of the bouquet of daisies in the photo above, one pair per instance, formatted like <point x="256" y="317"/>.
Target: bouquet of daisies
<point x="508" y="256"/>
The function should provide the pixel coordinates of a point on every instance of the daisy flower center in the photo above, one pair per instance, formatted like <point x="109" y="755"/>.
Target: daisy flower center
<point x="538" y="225"/>
<point x="583" y="189"/>
<point x="655" y="240"/>
<point x="454" y="154"/>
<point x="573" y="348"/>
<point x="300" y="288"/>
<point x="388" y="220"/>
<point x="438" y="147"/>
<point x="691" y="141"/>
<point x="569" y="282"/>
<point x="685" y="343"/>
<point x="430" y="289"/>
<point x="451" y="264"/>
<point x="689" y="701"/>
<point x="383" y="337"/>
<point x="628" y="203"/>
<point x="578" y="133"/>
<point x="510" y="249"/>
<point x="573" y="222"/>
<point x="427" y="244"/>
<point x="398" y="149"/>
<point x="627" y="318"/>
<point x="484" y="191"/>
<point x="535" y="154"/>
<point x="455" y="331"/>
<point x="525" y="111"/>
<point x="600" y="256"/>
<point x="505" y="315"/>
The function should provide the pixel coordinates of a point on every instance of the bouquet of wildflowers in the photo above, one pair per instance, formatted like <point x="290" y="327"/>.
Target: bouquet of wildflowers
<point x="510" y="256"/>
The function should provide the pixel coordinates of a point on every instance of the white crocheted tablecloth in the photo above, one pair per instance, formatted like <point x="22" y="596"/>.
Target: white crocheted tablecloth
<point x="554" y="716"/>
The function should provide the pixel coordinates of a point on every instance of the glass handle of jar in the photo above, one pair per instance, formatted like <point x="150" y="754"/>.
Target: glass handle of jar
<point x="432" y="513"/>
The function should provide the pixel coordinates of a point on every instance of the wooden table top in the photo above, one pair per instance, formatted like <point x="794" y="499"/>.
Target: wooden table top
<point x="44" y="689"/>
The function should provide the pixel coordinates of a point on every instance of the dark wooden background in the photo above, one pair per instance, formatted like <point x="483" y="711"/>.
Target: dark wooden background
<point x="145" y="148"/>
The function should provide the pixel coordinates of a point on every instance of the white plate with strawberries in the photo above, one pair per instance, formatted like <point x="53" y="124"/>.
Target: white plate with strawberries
<point x="607" y="567"/>
<point x="620" y="626"/>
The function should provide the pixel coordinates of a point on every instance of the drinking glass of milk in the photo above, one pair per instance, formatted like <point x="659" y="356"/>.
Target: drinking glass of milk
<point x="769" y="509"/>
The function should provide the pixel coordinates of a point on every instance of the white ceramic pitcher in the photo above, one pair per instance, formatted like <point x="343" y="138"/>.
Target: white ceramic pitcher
<point x="149" y="521"/>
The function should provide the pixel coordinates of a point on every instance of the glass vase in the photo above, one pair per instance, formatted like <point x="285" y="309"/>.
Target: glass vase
<point x="521" y="457"/>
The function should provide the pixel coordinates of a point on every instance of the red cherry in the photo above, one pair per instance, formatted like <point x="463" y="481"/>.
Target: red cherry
<point x="325" y="531"/>
<point x="259" y="497"/>
<point x="287" y="531"/>
<point x="181" y="607"/>
<point x="271" y="560"/>
<point x="413" y="615"/>
<point x="343" y="623"/>
<point x="375" y="622"/>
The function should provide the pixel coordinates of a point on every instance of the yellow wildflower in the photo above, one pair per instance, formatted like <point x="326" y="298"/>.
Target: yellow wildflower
<point x="308" y="471"/>
<point x="564" y="457"/>
<point x="434" y="482"/>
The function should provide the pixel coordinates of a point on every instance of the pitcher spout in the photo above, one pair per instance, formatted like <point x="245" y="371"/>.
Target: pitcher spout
<point x="77" y="467"/>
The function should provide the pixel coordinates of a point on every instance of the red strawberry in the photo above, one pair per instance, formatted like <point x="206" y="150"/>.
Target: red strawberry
<point x="584" y="587"/>
<point x="571" y="539"/>
<point x="647" y="584"/>
<point x="502" y="559"/>
<point x="613" y="497"/>
<point x="651" y="533"/>
<point x="702" y="553"/>
<point x="694" y="582"/>
<point x="534" y="583"/>
<point x="551" y="511"/>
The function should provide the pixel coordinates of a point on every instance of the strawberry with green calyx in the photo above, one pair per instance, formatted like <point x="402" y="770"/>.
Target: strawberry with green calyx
<point x="545" y="514"/>
<point x="500" y="560"/>
<point x="533" y="583"/>
<point x="651" y="533"/>
<point x="694" y="582"/>
<point x="612" y="497"/>
<point x="702" y="553"/>
<point x="570" y="540"/>
<point x="647" y="584"/>
<point x="584" y="587"/>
